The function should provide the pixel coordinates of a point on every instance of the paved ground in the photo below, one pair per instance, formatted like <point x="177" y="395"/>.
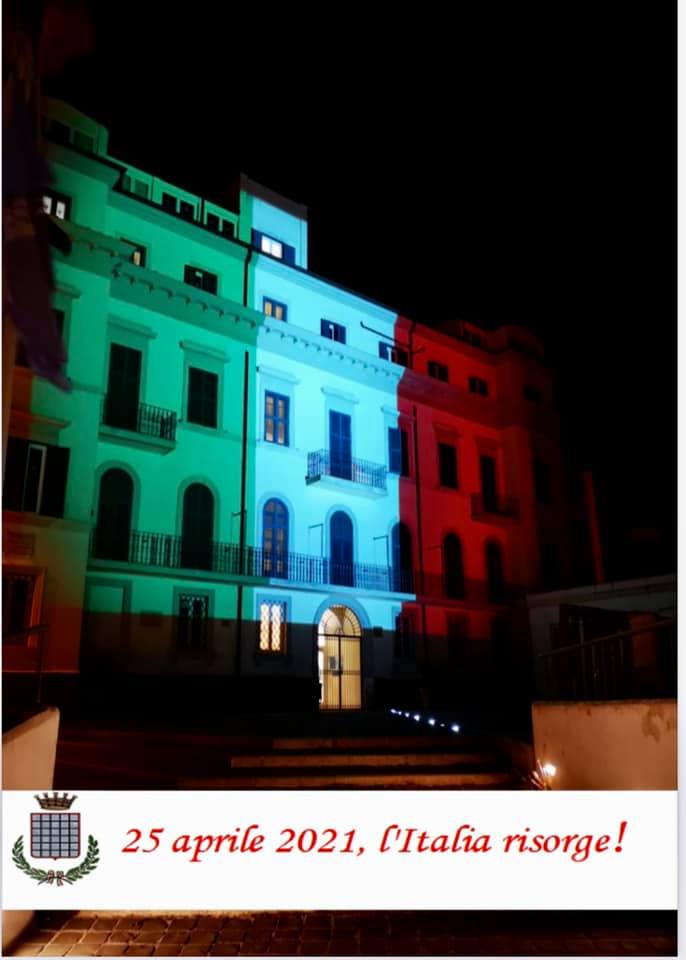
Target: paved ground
<point x="321" y="933"/>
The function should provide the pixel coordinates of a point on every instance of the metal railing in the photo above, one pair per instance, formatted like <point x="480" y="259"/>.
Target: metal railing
<point x="494" y="506"/>
<point x="144" y="418"/>
<point x="321" y="463"/>
<point x="634" y="663"/>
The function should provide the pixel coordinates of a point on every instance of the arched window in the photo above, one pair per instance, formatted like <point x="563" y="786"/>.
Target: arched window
<point x="113" y="528"/>
<point x="341" y="537"/>
<point x="275" y="539"/>
<point x="197" y="529"/>
<point x="401" y="558"/>
<point x="495" y="578"/>
<point x="453" y="569"/>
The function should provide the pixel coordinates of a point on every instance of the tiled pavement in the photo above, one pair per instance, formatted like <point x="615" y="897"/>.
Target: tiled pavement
<point x="321" y="933"/>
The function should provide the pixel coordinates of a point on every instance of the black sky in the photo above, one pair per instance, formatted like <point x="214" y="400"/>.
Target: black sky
<point x="515" y="165"/>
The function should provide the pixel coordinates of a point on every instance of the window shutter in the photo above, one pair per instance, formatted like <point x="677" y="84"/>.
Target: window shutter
<point x="211" y="399"/>
<point x="55" y="482"/>
<point x="288" y="254"/>
<point x="404" y="453"/>
<point x="15" y="468"/>
<point x="394" y="450"/>
<point x="257" y="239"/>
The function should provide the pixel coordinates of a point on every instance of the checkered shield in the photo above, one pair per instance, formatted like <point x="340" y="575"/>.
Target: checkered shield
<point x="55" y="835"/>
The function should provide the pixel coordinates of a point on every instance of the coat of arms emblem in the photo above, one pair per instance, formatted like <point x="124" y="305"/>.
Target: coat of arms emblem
<point x="56" y="835"/>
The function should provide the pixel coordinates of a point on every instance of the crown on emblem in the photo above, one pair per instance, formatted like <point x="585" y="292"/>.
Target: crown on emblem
<point x="55" y="802"/>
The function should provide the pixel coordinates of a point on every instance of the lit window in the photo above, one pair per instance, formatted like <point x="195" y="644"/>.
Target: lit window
<point x="273" y="247"/>
<point x="57" y="205"/>
<point x="272" y="626"/>
<point x="276" y="418"/>
<point x="138" y="253"/>
<point x="274" y="309"/>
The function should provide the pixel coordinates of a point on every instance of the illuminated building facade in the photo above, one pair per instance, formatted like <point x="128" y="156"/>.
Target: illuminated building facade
<point x="261" y="477"/>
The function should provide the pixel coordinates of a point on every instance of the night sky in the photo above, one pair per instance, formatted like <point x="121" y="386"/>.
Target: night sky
<point x="519" y="167"/>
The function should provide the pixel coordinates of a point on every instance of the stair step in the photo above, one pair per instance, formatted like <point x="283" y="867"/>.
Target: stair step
<point x="282" y="760"/>
<point x="337" y="779"/>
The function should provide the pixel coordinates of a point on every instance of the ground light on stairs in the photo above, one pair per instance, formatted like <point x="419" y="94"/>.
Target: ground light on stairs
<point x="431" y="721"/>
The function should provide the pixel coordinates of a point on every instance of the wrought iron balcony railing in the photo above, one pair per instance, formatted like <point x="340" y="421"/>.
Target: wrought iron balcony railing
<point x="506" y="508"/>
<point x="141" y="418"/>
<point x="322" y="463"/>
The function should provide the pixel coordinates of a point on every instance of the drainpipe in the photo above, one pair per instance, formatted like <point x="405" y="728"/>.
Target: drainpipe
<point x="244" y="468"/>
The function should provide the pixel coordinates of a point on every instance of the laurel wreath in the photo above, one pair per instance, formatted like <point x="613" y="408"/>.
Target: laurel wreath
<point x="88" y="864"/>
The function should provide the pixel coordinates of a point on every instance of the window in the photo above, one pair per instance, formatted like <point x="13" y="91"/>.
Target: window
<point x="186" y="210"/>
<point x="275" y="539"/>
<point x="489" y="483"/>
<point x="276" y="418"/>
<point x="340" y="445"/>
<point x="401" y="558"/>
<point x="341" y="538"/>
<point x="495" y="579"/>
<point x="542" y="481"/>
<point x="273" y="247"/>
<point x="20" y="358"/>
<point x="447" y="465"/>
<point x="333" y="331"/>
<point x="169" y="202"/>
<point x="138" y="254"/>
<point x="387" y="351"/>
<point x="227" y="228"/>
<point x="141" y="189"/>
<point x="202" y="279"/>
<point x="213" y="222"/>
<point x="35" y="477"/>
<point x="57" y="204"/>
<point x="18" y="592"/>
<point x="453" y="569"/>
<point x="532" y="394"/>
<point x="192" y="621"/>
<point x="438" y="371"/>
<point x="115" y="506"/>
<point x="202" y="397"/>
<point x="274" y="309"/>
<point x="82" y="141"/>
<point x="197" y="530"/>
<point x="121" y="407"/>
<point x="398" y="451"/>
<point x="477" y="385"/>
<point x="405" y="642"/>
<point x="272" y="626"/>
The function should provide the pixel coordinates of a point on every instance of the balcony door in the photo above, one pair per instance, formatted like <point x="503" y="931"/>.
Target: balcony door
<point x="113" y="527"/>
<point x="489" y="486"/>
<point x="341" y="539"/>
<point x="340" y="445"/>
<point x="275" y="539"/>
<point x="401" y="558"/>
<point x="123" y="387"/>
<point x="339" y="660"/>
<point x="197" y="529"/>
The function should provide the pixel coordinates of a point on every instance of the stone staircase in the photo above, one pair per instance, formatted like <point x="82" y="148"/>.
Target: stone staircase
<point x="119" y="759"/>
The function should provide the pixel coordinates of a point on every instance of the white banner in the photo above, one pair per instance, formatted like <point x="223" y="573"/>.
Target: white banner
<point x="287" y="850"/>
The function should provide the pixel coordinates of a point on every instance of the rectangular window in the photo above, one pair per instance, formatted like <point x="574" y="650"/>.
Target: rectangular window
<point x="405" y="639"/>
<point x="387" y="351"/>
<point x="83" y="141"/>
<point x="532" y="394"/>
<point x="138" y="254"/>
<point x="447" y="465"/>
<point x="333" y="331"/>
<point x="203" y="388"/>
<point x="477" y="385"/>
<point x="398" y="451"/>
<point x="186" y="210"/>
<point x="192" y="621"/>
<point x="274" y="309"/>
<point x="438" y="371"/>
<point x="18" y="591"/>
<point x="542" y="481"/>
<point x="141" y="189"/>
<point x="35" y="477"/>
<point x="202" y="279"/>
<point x="213" y="222"/>
<point x="57" y="204"/>
<point x="273" y="247"/>
<point x="276" y="418"/>
<point x="227" y="228"/>
<point x="272" y="626"/>
<point x="489" y="483"/>
<point x="169" y="202"/>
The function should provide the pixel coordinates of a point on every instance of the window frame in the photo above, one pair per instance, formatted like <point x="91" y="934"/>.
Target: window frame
<point x="276" y="420"/>
<point x="391" y="352"/>
<point x="336" y="330"/>
<point x="55" y="197"/>
<point x="181" y="649"/>
<point x="478" y="386"/>
<point x="441" y="479"/>
<point x="435" y="370"/>
<point x="205" y="274"/>
<point x="191" y="369"/>
<point x="274" y="305"/>
<point x="272" y="600"/>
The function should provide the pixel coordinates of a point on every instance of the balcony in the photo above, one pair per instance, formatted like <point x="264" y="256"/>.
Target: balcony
<point x="498" y="510"/>
<point x="361" y="476"/>
<point x="139" y="425"/>
<point x="144" y="549"/>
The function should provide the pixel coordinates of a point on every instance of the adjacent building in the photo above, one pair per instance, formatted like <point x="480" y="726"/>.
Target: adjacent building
<point x="262" y="479"/>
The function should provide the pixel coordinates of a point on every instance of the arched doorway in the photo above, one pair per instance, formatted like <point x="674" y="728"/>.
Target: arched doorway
<point x="113" y="527"/>
<point x="339" y="660"/>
